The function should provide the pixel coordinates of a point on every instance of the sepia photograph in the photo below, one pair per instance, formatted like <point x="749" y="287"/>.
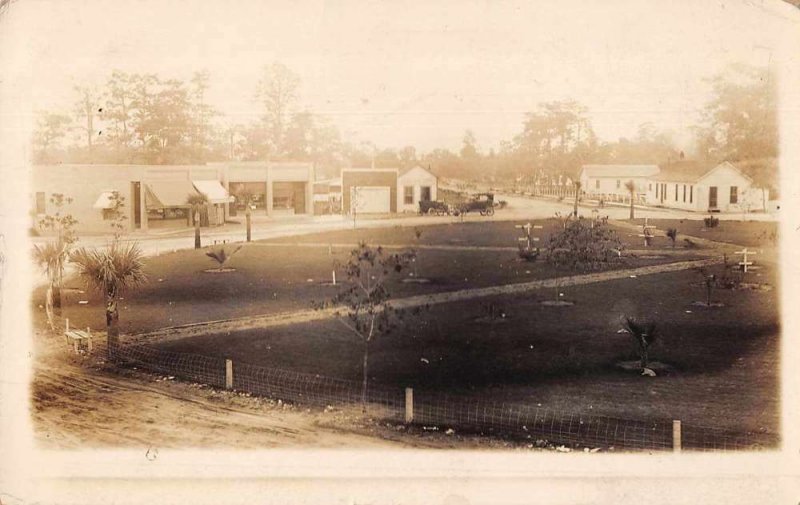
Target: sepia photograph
<point x="352" y="233"/>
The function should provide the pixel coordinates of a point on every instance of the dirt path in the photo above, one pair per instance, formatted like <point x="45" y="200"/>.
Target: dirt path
<point x="443" y="247"/>
<point x="82" y="405"/>
<point x="271" y="320"/>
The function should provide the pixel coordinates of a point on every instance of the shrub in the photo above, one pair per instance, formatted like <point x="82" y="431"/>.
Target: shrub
<point x="711" y="222"/>
<point x="583" y="246"/>
<point x="528" y="254"/>
<point x="672" y="233"/>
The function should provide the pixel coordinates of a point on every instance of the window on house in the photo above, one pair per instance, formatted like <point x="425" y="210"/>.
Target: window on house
<point x="650" y="187"/>
<point x="691" y="193"/>
<point x="618" y="184"/>
<point x="676" y="192"/>
<point x="734" y="194"/>
<point x="425" y="193"/>
<point x="657" y="186"/>
<point x="40" y="203"/>
<point x="109" y="214"/>
<point x="684" y="192"/>
<point x="408" y="195"/>
<point x="597" y="184"/>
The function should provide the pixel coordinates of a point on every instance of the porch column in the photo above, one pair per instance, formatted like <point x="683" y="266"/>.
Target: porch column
<point x="143" y="204"/>
<point x="269" y="191"/>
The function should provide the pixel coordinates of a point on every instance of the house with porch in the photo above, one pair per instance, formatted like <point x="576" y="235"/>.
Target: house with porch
<point x="706" y="187"/>
<point x="607" y="182"/>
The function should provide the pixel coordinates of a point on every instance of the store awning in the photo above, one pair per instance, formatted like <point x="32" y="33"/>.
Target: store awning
<point x="214" y="191"/>
<point x="161" y="194"/>
<point x="105" y="200"/>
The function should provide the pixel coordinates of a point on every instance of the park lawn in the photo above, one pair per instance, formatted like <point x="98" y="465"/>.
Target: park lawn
<point x="487" y="233"/>
<point x="725" y="359"/>
<point x="746" y="233"/>
<point x="274" y="279"/>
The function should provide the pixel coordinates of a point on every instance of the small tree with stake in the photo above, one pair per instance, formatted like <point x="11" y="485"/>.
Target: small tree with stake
<point x="367" y="312"/>
<point x="246" y="197"/>
<point x="53" y="256"/>
<point x="577" y="197"/>
<point x="631" y="187"/>
<point x="196" y="203"/>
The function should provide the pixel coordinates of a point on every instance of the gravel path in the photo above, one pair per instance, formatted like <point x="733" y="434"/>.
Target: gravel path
<point x="287" y="318"/>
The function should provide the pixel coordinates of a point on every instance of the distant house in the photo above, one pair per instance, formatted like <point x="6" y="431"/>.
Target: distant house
<point x="608" y="181"/>
<point x="369" y="190"/>
<point x="706" y="187"/>
<point x="415" y="185"/>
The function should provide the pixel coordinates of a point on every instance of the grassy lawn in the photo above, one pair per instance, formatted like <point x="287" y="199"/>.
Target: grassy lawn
<point x="747" y="233"/>
<point x="271" y="279"/>
<point x="482" y="233"/>
<point x="725" y="359"/>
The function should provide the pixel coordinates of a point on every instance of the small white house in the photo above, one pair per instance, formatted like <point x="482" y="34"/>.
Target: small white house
<point x="608" y="181"/>
<point x="700" y="187"/>
<point x="415" y="185"/>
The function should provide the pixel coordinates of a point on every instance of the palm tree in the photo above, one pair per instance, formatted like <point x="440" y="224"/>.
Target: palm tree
<point x="111" y="271"/>
<point x="631" y="187"/>
<point x="197" y="201"/>
<point x="51" y="257"/>
<point x="644" y="334"/>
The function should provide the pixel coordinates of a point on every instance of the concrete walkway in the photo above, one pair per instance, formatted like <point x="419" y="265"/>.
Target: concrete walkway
<point x="302" y="316"/>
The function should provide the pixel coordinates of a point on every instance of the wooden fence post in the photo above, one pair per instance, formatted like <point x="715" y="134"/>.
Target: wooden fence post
<point x="228" y="374"/>
<point x="409" y="405"/>
<point x="676" y="436"/>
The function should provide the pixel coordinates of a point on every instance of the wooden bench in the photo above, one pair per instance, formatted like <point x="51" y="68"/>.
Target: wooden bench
<point x="78" y="338"/>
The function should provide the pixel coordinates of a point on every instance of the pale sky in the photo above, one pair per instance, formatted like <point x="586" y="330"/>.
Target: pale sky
<point x="409" y="73"/>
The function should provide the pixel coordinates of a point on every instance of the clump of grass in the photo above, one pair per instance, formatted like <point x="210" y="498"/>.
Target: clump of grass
<point x="221" y="256"/>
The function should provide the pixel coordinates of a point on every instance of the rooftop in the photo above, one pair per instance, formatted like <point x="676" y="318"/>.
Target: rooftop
<point x="620" y="170"/>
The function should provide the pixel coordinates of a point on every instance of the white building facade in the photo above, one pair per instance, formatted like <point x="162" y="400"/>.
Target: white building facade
<point x="413" y="186"/>
<point x="608" y="181"/>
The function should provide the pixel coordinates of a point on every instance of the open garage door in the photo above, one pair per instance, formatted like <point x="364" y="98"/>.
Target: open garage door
<point x="371" y="200"/>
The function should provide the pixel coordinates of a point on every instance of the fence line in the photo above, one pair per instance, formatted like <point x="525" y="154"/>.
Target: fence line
<point x="464" y="413"/>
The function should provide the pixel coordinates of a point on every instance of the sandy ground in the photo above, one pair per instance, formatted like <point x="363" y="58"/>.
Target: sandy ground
<point x="78" y="402"/>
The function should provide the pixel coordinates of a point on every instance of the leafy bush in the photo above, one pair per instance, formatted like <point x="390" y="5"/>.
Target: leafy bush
<point x="528" y="254"/>
<point x="672" y="233"/>
<point x="583" y="246"/>
<point x="711" y="222"/>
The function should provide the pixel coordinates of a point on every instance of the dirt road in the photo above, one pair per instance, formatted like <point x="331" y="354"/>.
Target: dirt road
<point x="78" y="403"/>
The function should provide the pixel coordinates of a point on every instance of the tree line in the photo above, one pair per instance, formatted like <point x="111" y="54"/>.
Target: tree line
<point x="146" y="119"/>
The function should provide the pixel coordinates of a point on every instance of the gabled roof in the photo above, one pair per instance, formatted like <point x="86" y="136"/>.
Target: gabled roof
<point x="684" y="171"/>
<point x="404" y="171"/>
<point x="620" y="171"/>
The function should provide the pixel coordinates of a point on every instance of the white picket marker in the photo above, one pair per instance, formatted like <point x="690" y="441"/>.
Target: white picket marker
<point x="528" y="238"/>
<point x="744" y="263"/>
<point x="647" y="232"/>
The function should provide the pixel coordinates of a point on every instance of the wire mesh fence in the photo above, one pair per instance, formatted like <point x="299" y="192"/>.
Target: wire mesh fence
<point x="192" y="367"/>
<point x="431" y="409"/>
